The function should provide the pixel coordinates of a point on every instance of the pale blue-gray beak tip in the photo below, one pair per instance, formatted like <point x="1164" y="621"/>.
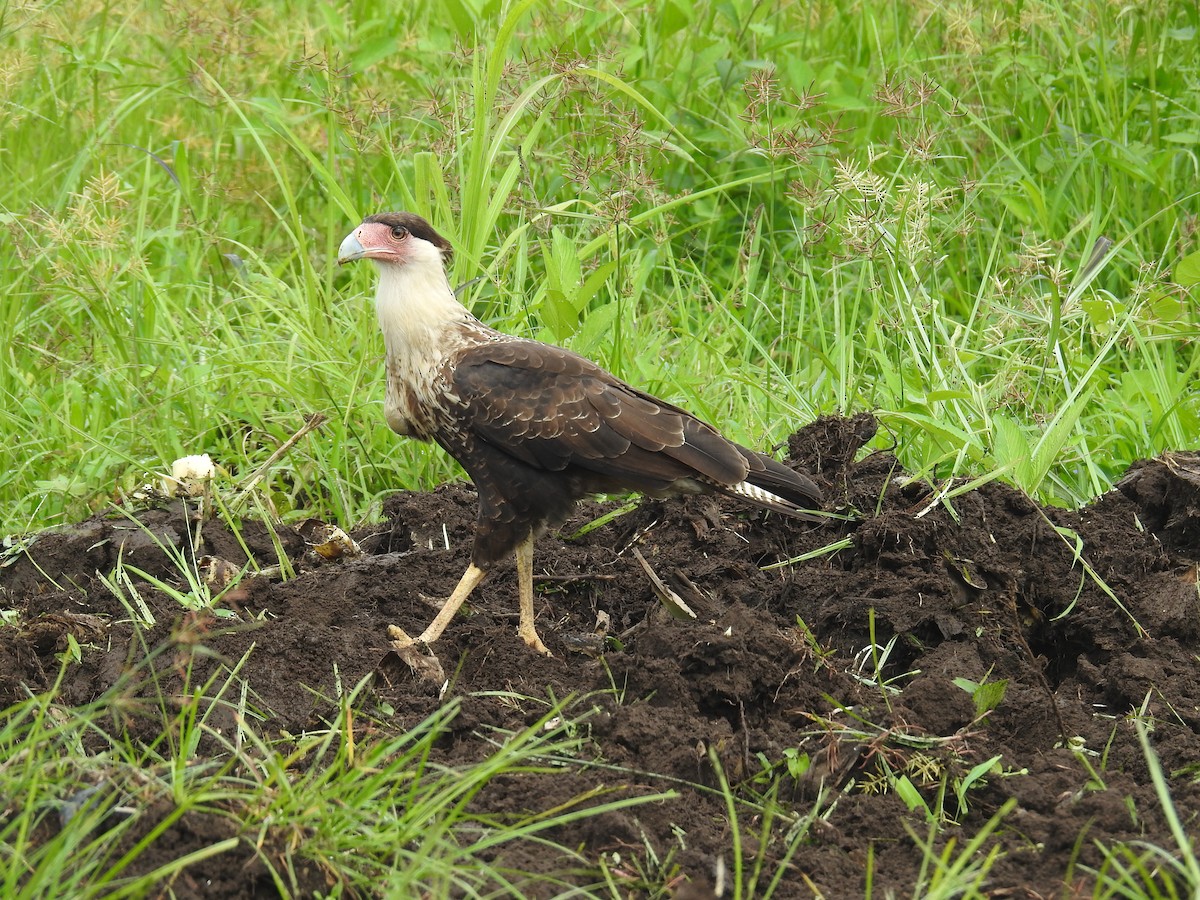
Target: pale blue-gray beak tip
<point x="351" y="249"/>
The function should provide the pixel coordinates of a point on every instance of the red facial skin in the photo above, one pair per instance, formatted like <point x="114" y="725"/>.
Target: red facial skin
<point x="375" y="241"/>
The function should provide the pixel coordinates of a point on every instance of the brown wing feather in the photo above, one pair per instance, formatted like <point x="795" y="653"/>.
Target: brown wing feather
<point x="553" y="409"/>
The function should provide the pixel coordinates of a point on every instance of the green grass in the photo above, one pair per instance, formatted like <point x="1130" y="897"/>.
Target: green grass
<point x="357" y="802"/>
<point x="762" y="212"/>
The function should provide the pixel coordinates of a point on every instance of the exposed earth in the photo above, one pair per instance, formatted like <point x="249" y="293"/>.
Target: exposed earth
<point x="778" y="664"/>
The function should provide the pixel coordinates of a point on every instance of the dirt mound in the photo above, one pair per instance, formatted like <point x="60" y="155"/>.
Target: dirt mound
<point x="857" y="662"/>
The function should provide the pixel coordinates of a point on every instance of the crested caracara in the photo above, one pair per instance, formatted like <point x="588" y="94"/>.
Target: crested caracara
<point x="536" y="427"/>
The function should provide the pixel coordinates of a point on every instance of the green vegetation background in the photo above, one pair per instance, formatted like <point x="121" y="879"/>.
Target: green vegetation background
<point x="762" y="211"/>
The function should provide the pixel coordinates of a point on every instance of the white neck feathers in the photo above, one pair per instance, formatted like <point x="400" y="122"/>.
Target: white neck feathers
<point x="414" y="304"/>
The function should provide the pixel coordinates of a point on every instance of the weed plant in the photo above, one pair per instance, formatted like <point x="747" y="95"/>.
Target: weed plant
<point x="360" y="808"/>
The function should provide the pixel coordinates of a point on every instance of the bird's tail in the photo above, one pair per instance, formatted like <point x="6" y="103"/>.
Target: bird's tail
<point x="772" y="485"/>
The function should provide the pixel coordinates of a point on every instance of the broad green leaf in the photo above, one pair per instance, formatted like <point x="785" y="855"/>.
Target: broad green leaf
<point x="1187" y="271"/>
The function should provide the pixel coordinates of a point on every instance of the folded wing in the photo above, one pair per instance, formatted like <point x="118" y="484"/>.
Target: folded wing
<point x="555" y="411"/>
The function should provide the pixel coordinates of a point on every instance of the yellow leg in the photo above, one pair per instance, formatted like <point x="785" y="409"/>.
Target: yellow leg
<point x="466" y="584"/>
<point x="526" y="630"/>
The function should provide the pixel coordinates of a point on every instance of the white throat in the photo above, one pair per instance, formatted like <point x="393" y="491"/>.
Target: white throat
<point x="415" y="305"/>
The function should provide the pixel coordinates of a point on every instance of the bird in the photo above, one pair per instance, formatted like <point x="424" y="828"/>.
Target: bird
<point x="536" y="427"/>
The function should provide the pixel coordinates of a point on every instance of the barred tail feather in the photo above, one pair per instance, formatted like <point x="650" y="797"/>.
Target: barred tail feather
<point x="774" y="486"/>
<point x="759" y="496"/>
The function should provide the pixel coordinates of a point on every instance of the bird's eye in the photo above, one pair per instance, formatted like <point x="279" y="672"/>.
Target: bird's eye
<point x="399" y="232"/>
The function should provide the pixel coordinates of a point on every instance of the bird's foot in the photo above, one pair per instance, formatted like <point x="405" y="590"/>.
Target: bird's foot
<point x="532" y="641"/>
<point x="416" y="654"/>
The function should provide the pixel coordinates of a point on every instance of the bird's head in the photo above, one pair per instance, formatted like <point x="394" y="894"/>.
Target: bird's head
<point x="395" y="239"/>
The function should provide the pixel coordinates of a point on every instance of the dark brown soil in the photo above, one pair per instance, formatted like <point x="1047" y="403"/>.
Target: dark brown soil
<point x="986" y="586"/>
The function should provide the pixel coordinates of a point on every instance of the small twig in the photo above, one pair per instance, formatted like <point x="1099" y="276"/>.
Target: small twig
<point x="669" y="598"/>
<point x="315" y="420"/>
<point x="572" y="579"/>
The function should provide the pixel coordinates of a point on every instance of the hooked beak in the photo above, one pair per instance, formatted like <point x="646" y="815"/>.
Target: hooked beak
<point x="351" y="249"/>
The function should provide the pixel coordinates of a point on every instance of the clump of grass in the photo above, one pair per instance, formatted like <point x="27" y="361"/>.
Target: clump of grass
<point x="359" y="802"/>
<point x="1140" y="868"/>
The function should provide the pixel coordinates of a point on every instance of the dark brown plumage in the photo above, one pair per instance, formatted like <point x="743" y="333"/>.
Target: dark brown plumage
<point x="535" y="426"/>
